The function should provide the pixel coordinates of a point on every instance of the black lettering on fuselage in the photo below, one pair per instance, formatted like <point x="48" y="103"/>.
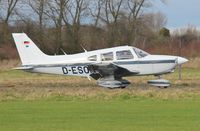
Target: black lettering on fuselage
<point x="74" y="70"/>
<point x="86" y="70"/>
<point x="65" y="70"/>
<point x="80" y="70"/>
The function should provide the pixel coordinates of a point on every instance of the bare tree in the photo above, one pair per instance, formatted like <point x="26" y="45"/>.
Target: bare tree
<point x="136" y="23"/>
<point x="109" y="15"/>
<point x="114" y="8"/>
<point x="155" y="21"/>
<point x="55" y="12"/>
<point x="95" y="10"/>
<point x="76" y="9"/>
<point x="38" y="6"/>
<point x="136" y="17"/>
<point x="135" y="7"/>
<point x="8" y="7"/>
<point x="111" y="11"/>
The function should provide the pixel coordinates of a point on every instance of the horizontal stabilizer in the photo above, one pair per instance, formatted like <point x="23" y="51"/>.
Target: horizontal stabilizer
<point x="24" y="68"/>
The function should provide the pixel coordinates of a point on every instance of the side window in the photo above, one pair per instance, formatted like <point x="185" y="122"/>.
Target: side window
<point x="123" y="55"/>
<point x="92" y="58"/>
<point x="107" y="56"/>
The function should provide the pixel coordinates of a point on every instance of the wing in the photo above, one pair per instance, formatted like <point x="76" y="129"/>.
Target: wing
<point x="110" y="69"/>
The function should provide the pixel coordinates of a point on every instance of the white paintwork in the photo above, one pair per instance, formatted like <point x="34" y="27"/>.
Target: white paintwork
<point x="32" y="56"/>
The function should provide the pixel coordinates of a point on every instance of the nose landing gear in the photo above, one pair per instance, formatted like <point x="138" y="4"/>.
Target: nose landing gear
<point x="159" y="82"/>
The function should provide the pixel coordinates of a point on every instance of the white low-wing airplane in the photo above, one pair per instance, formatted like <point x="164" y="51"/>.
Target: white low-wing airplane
<point x="108" y="66"/>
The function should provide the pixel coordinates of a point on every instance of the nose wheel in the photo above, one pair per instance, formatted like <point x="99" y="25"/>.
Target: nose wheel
<point x="160" y="82"/>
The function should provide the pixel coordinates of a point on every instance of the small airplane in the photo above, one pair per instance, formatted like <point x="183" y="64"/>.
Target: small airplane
<point x="107" y="66"/>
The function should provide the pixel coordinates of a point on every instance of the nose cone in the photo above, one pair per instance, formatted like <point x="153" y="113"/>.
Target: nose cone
<point x="182" y="60"/>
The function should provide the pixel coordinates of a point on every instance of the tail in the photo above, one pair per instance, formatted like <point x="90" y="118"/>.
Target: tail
<point x="29" y="53"/>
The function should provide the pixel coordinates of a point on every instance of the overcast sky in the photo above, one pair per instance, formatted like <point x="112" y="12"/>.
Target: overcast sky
<point x="181" y="13"/>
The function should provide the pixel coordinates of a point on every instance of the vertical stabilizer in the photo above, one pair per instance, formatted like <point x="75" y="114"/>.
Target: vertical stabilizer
<point x="29" y="53"/>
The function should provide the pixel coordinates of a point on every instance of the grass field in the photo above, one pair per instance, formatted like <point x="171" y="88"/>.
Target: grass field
<point x="48" y="102"/>
<point x="132" y="114"/>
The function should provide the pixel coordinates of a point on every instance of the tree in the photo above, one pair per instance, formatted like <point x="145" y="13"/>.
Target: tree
<point x="164" y="32"/>
<point x="109" y="15"/>
<point x="156" y="21"/>
<point x="134" y="9"/>
<point x="7" y="8"/>
<point x="75" y="10"/>
<point x="55" y="11"/>
<point x="139" y="21"/>
<point x="95" y="10"/>
<point x="38" y="6"/>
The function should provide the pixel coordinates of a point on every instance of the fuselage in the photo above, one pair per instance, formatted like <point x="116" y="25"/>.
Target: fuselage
<point x="128" y="57"/>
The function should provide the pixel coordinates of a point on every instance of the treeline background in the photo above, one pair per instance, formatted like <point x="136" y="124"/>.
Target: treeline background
<point x="68" y="25"/>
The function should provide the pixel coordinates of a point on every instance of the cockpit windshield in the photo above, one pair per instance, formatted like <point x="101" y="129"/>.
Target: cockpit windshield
<point x="140" y="53"/>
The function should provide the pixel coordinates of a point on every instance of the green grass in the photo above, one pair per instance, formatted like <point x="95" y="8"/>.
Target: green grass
<point x="90" y="115"/>
<point x="53" y="103"/>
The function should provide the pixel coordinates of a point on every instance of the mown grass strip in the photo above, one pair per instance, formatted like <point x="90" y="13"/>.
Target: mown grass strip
<point x="90" y="115"/>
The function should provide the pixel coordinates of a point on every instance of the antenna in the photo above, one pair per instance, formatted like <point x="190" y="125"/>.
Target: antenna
<point x="63" y="51"/>
<point x="84" y="49"/>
